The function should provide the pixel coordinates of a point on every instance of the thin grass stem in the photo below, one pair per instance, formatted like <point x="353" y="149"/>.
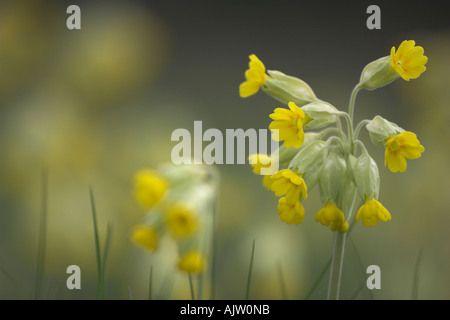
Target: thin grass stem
<point x="247" y="292"/>
<point x="40" y="264"/>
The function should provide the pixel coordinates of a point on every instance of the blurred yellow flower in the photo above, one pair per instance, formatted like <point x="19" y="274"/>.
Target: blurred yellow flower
<point x="408" y="61"/>
<point x="258" y="161"/>
<point x="150" y="187"/>
<point x="182" y="220"/>
<point x="372" y="211"/>
<point x="404" y="145"/>
<point x="289" y="183"/>
<point x="145" y="236"/>
<point x="192" y="262"/>
<point x="256" y="77"/>
<point x="267" y="181"/>
<point x="331" y="215"/>
<point x="289" y="124"/>
<point x="290" y="213"/>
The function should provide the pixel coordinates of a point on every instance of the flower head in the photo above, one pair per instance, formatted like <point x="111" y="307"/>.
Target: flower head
<point x="182" y="220"/>
<point x="192" y="262"/>
<point x="145" y="236"/>
<point x="371" y="212"/>
<point x="150" y="187"/>
<point x="256" y="77"/>
<point x="289" y="183"/>
<point x="289" y="124"/>
<point x="408" y="61"/>
<point x="404" y="145"/>
<point x="290" y="213"/>
<point x="331" y="215"/>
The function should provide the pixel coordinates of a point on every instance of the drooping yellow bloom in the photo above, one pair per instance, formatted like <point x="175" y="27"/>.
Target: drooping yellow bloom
<point x="145" y="236"/>
<point x="192" y="262"/>
<point x="289" y="183"/>
<point x="182" y="220"/>
<point x="150" y="187"/>
<point x="290" y="213"/>
<point x="408" y="61"/>
<point x="256" y="77"/>
<point x="289" y="124"/>
<point x="372" y="211"/>
<point x="331" y="215"/>
<point x="404" y="145"/>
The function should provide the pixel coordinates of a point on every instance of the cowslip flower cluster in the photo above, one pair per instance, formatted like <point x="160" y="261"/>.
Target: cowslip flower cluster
<point x="334" y="159"/>
<point x="179" y="203"/>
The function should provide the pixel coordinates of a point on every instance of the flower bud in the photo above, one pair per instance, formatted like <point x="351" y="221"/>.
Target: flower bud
<point x="288" y="89"/>
<point x="367" y="177"/>
<point x="319" y="114"/>
<point x="380" y="129"/>
<point x="377" y="74"/>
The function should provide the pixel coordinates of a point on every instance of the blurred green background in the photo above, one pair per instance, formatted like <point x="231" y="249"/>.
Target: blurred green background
<point x="95" y="105"/>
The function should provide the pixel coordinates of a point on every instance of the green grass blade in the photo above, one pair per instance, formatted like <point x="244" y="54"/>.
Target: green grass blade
<point x="150" y="283"/>
<point x="319" y="279"/>
<point x="191" y="285"/>
<point x="214" y="235"/>
<point x="362" y="269"/>
<point x="40" y="264"/>
<point x="247" y="292"/>
<point x="106" y="250"/>
<point x="362" y="286"/>
<point x="282" y="284"/>
<point x="415" y="287"/>
<point x="15" y="282"/>
<point x="97" y="246"/>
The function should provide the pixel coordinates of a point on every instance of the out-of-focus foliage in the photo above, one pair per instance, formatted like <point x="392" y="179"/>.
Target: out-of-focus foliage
<point x="95" y="105"/>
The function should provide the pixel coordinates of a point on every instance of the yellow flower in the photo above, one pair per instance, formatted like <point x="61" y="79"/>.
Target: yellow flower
<point x="150" y="187"/>
<point x="192" y="262"/>
<point x="290" y="213"/>
<point x="267" y="181"/>
<point x="404" y="145"/>
<point x="182" y="220"/>
<point x="409" y="61"/>
<point x="331" y="215"/>
<point x="258" y="161"/>
<point x="145" y="236"/>
<point x="289" y="124"/>
<point x="286" y="182"/>
<point x="372" y="211"/>
<point x="256" y="77"/>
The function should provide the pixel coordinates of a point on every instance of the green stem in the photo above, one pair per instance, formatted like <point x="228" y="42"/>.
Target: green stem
<point x="359" y="127"/>
<point x="338" y="258"/>
<point x="351" y="111"/>
<point x="336" y="266"/>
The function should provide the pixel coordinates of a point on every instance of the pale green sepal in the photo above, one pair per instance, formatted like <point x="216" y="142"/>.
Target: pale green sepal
<point x="378" y="74"/>
<point x="367" y="177"/>
<point x="321" y="113"/>
<point x="308" y="161"/>
<point x="380" y="129"/>
<point x="332" y="178"/>
<point x="288" y="89"/>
